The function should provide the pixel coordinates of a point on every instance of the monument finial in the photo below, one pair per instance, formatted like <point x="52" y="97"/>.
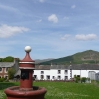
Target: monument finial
<point x="28" y="49"/>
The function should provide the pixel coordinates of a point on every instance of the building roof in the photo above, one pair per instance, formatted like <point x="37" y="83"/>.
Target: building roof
<point x="6" y="64"/>
<point x="58" y="67"/>
<point x="84" y="67"/>
<point x="77" y="67"/>
<point x="73" y="67"/>
<point x="42" y="67"/>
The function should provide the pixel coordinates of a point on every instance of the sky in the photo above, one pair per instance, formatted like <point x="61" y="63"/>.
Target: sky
<point x="53" y="28"/>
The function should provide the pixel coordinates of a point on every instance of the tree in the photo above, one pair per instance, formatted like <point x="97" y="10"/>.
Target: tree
<point x="0" y="59"/>
<point x="11" y="73"/>
<point x="8" y="59"/>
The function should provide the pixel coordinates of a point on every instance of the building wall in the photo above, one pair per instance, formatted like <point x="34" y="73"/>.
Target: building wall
<point x="57" y="75"/>
<point x="3" y="73"/>
<point x="97" y="76"/>
<point x="38" y="73"/>
<point x="51" y="74"/>
<point x="63" y="75"/>
<point x="15" y="66"/>
<point x="84" y="73"/>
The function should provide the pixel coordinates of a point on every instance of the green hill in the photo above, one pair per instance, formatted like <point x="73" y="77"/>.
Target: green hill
<point x="86" y="57"/>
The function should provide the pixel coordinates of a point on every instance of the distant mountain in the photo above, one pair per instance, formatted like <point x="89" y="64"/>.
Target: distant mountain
<point x="86" y="57"/>
<point x="42" y="60"/>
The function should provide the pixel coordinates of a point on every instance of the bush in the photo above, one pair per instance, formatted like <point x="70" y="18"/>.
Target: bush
<point x="2" y="79"/>
<point x="83" y="79"/>
<point x="76" y="78"/>
<point x="11" y="73"/>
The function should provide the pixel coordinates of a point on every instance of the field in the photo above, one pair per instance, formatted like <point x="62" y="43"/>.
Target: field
<point x="61" y="90"/>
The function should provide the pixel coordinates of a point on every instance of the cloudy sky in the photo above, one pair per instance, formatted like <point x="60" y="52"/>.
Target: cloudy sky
<point x="53" y="28"/>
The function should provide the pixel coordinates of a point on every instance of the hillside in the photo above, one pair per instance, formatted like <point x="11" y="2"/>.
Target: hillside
<point x="42" y="60"/>
<point x="86" y="57"/>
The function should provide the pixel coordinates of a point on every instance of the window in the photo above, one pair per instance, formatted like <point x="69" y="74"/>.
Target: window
<point x="6" y="69"/>
<point x="53" y="77"/>
<point x="78" y="76"/>
<point x="66" y="71"/>
<point x="0" y="69"/>
<point x="42" y="72"/>
<point x="59" y="71"/>
<point x="6" y="76"/>
<point x="35" y="76"/>
<point x="66" y="78"/>
<point x="48" y="77"/>
<point x="59" y="77"/>
<point x="42" y="77"/>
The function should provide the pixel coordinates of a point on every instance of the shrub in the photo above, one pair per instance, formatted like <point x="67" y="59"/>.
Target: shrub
<point x="11" y="73"/>
<point x="76" y="78"/>
<point x="2" y="79"/>
<point x="83" y="79"/>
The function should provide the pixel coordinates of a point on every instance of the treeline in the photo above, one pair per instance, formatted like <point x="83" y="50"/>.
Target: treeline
<point x="8" y="59"/>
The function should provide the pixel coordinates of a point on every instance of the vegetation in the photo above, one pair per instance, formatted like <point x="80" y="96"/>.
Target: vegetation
<point x="83" y="79"/>
<point x="61" y="90"/>
<point x="4" y="85"/>
<point x="86" y="57"/>
<point x="7" y="59"/>
<point x="11" y="73"/>
<point x="77" y="78"/>
<point x="2" y="79"/>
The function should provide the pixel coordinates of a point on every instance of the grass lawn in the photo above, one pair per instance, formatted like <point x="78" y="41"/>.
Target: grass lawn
<point x="61" y="90"/>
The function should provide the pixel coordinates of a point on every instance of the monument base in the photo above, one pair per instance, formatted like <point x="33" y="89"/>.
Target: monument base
<point x="15" y="93"/>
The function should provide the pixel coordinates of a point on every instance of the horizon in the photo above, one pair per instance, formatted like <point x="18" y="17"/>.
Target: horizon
<point x="53" y="29"/>
<point x="52" y="57"/>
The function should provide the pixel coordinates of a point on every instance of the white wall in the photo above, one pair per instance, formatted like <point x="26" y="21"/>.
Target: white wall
<point x="82" y="73"/>
<point x="38" y="73"/>
<point x="51" y="73"/>
<point x="54" y="72"/>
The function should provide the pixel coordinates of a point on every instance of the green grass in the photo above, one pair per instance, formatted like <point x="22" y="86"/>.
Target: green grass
<point x="4" y="85"/>
<point x="61" y="90"/>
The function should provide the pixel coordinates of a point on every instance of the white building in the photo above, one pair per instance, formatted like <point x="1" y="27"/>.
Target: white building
<point x="63" y="72"/>
<point x="51" y="72"/>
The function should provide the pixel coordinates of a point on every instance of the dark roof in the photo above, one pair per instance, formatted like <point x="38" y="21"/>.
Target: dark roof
<point x="6" y="64"/>
<point x="73" y="67"/>
<point x="85" y="67"/>
<point x="58" y="67"/>
<point x="42" y="67"/>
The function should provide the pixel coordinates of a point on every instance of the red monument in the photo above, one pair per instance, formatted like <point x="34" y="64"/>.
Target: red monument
<point x="26" y="90"/>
